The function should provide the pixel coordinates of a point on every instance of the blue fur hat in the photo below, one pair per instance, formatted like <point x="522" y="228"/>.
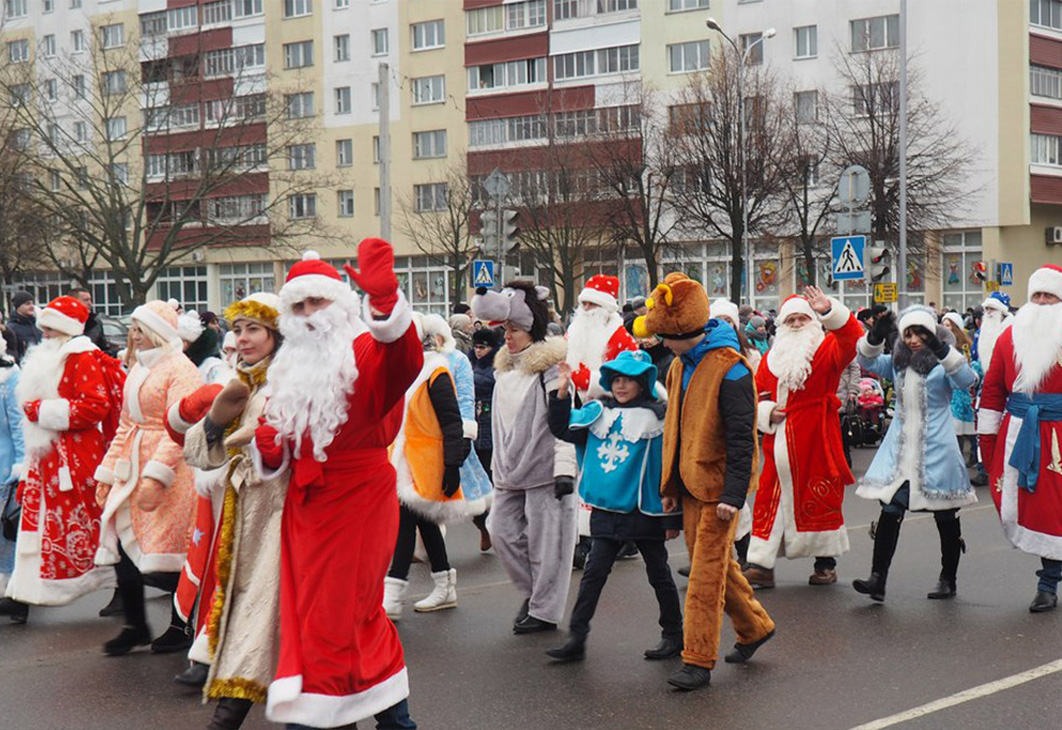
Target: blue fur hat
<point x="634" y="364"/>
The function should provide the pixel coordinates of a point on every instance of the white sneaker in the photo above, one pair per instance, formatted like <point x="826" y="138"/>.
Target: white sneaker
<point x="444" y="595"/>
<point x="394" y="592"/>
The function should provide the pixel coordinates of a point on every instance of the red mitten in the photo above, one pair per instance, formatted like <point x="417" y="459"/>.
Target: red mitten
<point x="377" y="276"/>
<point x="265" y="440"/>
<point x="32" y="410"/>
<point x="987" y="442"/>
<point x="191" y="410"/>
<point x="581" y="378"/>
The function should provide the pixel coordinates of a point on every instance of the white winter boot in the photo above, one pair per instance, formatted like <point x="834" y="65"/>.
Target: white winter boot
<point x="394" y="592"/>
<point x="443" y="596"/>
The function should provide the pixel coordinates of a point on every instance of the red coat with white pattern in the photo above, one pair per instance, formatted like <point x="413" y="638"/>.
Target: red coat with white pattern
<point x="587" y="376"/>
<point x="60" y="525"/>
<point x="1032" y="521"/>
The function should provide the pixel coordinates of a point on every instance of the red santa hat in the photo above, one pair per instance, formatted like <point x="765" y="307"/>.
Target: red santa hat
<point x="601" y="290"/>
<point x="64" y="314"/>
<point x="723" y="307"/>
<point x="313" y="277"/>
<point x="159" y="317"/>
<point x="795" y="304"/>
<point x="1046" y="279"/>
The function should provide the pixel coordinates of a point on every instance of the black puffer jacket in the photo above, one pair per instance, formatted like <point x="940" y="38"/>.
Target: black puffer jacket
<point x="25" y="329"/>
<point x="483" y="376"/>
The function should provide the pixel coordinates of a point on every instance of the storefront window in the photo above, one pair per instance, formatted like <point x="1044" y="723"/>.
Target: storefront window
<point x="960" y="253"/>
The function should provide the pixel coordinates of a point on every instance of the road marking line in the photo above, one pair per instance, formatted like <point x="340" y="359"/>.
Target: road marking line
<point x="973" y="693"/>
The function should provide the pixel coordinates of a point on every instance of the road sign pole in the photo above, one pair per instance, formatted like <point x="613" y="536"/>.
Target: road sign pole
<point x="902" y="274"/>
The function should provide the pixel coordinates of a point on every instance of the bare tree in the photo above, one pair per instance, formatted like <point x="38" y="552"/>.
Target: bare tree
<point x="442" y="228"/>
<point x="705" y="128"/>
<point x="140" y="164"/>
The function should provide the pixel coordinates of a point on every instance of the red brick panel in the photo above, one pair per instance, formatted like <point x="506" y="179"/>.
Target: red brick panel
<point x="1045" y="189"/>
<point x="1045" y="51"/>
<point x="541" y="158"/>
<point x="250" y="235"/>
<point x="234" y="136"/>
<point x="206" y="90"/>
<point x="494" y="106"/>
<point x="507" y="49"/>
<point x="208" y="40"/>
<point x="1045" y="119"/>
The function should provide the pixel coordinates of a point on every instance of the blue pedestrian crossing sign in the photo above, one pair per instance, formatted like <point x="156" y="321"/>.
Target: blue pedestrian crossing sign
<point x="848" y="257"/>
<point x="483" y="273"/>
<point x="1006" y="274"/>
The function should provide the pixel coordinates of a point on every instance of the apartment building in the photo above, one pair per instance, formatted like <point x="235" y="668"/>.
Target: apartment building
<point x="493" y="83"/>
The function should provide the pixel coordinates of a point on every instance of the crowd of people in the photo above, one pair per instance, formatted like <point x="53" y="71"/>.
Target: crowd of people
<point x="278" y="479"/>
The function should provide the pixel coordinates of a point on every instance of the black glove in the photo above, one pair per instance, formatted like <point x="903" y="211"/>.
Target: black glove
<point x="451" y="480"/>
<point x="882" y="326"/>
<point x="563" y="486"/>
<point x="938" y="348"/>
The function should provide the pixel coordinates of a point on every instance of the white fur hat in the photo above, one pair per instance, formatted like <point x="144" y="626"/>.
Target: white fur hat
<point x="795" y="304"/>
<point x="189" y="328"/>
<point x="433" y="324"/>
<point x="1046" y="279"/>
<point x="955" y="319"/>
<point x="917" y="314"/>
<point x="723" y="307"/>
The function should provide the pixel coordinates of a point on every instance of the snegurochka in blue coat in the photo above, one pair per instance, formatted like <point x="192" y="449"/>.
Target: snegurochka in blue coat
<point x="620" y="439"/>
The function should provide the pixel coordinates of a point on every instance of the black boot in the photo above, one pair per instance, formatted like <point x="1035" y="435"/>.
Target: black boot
<point x="175" y="638"/>
<point x="114" y="607"/>
<point x="690" y="677"/>
<point x="886" y="535"/>
<point x="951" y="547"/>
<point x="667" y="648"/>
<point x="229" y="714"/>
<point x="130" y="638"/>
<point x="194" y="676"/>
<point x="135" y="632"/>
<point x="17" y="611"/>
<point x="572" y="650"/>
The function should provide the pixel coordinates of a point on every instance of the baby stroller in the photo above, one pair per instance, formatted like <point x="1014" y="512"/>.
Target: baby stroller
<point x="867" y="425"/>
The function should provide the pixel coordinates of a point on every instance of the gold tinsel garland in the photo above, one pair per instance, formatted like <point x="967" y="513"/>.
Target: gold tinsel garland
<point x="238" y="688"/>
<point x="254" y="311"/>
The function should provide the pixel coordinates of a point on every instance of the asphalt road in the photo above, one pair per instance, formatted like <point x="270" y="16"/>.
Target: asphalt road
<point x="838" y="662"/>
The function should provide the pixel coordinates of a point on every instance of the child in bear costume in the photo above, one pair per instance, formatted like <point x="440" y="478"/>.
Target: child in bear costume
<point x="709" y="463"/>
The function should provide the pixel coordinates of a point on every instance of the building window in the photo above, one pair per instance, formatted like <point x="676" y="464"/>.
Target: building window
<point x="235" y="110"/>
<point x="429" y="144"/>
<point x="342" y="4"/>
<point x="236" y="209"/>
<point x="686" y="57"/>
<point x="678" y="6"/>
<point x="379" y="41"/>
<point x="113" y="36"/>
<point x="425" y="284"/>
<point x="1044" y="81"/>
<point x="806" y="105"/>
<point x="247" y="8"/>
<point x="485" y="20"/>
<point x="960" y="253"/>
<point x="376" y="149"/>
<point x="48" y="46"/>
<point x="376" y="201"/>
<point x="119" y="173"/>
<point x="343" y="105"/>
<point x="113" y="82"/>
<point x="77" y="40"/>
<point x="51" y="89"/>
<point x="229" y="61"/>
<point x="527" y="14"/>
<point x="79" y="86"/>
<point x="345" y="203"/>
<point x="1044" y="149"/>
<point x="871" y="34"/>
<point x="807" y="41"/>
<point x="374" y="94"/>
<point x="428" y="90"/>
<point x="182" y="18"/>
<point x="81" y="131"/>
<point x="616" y="6"/>
<point x="431" y="196"/>
<point x="240" y="280"/>
<point x="153" y="24"/>
<point x="75" y="4"/>
<point x="14" y="9"/>
<point x="298" y="55"/>
<point x="875" y="99"/>
<point x="171" y="166"/>
<point x="341" y="44"/>
<point x="302" y="206"/>
<point x="48" y="6"/>
<point x="18" y="51"/>
<point x="297" y="8"/>
<point x="344" y="152"/>
<point x="299" y="106"/>
<point x="1046" y="13"/>
<point x="217" y="12"/>
<point x="595" y="63"/>
<point x="302" y="157"/>
<point x="755" y="41"/>
<point x="186" y="284"/>
<point x="502" y="75"/>
<point x="429" y="35"/>
<point x="116" y="128"/>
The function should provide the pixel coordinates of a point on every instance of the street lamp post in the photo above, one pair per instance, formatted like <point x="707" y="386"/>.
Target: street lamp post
<point x="744" y="55"/>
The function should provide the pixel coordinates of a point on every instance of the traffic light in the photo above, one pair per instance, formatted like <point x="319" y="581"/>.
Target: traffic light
<point x="510" y="229"/>
<point x="980" y="271"/>
<point x="488" y="231"/>
<point x="877" y="263"/>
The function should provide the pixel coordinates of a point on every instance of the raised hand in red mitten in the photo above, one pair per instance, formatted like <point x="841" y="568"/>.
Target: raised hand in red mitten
<point x="377" y="276"/>
<point x="265" y="440"/>
<point x="32" y="410"/>
<point x="190" y="410"/>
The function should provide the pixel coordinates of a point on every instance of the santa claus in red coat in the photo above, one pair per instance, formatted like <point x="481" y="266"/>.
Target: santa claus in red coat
<point x="338" y="384"/>
<point x="1020" y="425"/>
<point x="596" y="334"/>
<point x="798" y="503"/>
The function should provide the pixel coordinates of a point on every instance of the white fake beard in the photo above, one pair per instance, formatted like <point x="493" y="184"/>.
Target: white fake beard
<point x="792" y="352"/>
<point x="1037" y="344"/>
<point x="42" y="369"/>
<point x="993" y="325"/>
<point x="588" y="336"/>
<point x="313" y="375"/>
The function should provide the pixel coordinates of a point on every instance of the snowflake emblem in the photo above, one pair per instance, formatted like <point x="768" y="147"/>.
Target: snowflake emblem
<point x="612" y="454"/>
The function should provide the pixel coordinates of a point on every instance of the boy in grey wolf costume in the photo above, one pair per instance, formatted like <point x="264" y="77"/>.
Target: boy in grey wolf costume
<point x="532" y="521"/>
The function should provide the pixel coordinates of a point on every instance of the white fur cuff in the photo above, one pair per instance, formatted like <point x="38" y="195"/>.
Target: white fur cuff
<point x="54" y="414"/>
<point x="103" y="475"/>
<point x="988" y="422"/>
<point x="953" y="361"/>
<point x="173" y="417"/>
<point x="471" y="429"/>
<point x="868" y="350"/>
<point x="16" y="472"/>
<point x="763" y="417"/>
<point x="390" y="329"/>
<point x="159" y="472"/>
<point x="837" y="317"/>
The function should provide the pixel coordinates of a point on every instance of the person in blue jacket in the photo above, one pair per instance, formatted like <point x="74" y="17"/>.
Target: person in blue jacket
<point x="620" y="438"/>
<point x="12" y="450"/>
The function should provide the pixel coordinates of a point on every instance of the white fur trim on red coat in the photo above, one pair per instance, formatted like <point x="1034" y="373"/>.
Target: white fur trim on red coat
<point x="1048" y="281"/>
<point x="159" y="472"/>
<point x="988" y="421"/>
<point x="763" y="417"/>
<point x="289" y="704"/>
<point x="313" y="285"/>
<point x="173" y="417"/>
<point x="54" y="414"/>
<point x="837" y="317"/>
<point x="56" y="320"/>
<point x="397" y="323"/>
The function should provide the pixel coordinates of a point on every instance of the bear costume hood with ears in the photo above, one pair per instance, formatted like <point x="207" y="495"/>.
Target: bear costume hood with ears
<point x="520" y="302"/>
<point x="678" y="309"/>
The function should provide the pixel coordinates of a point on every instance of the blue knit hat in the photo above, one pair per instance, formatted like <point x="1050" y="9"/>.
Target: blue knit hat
<point x="636" y="364"/>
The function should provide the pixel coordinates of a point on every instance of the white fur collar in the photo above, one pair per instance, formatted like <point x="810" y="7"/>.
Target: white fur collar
<point x="537" y="358"/>
<point x="42" y="371"/>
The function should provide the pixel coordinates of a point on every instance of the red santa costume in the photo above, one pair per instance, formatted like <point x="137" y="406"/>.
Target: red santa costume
<point x="338" y="384"/>
<point x="64" y="394"/>
<point x="596" y="334"/>
<point x="798" y="503"/>
<point x="1025" y="373"/>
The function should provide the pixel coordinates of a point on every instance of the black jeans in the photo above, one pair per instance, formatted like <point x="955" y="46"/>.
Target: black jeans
<point x="408" y="524"/>
<point x="603" y="552"/>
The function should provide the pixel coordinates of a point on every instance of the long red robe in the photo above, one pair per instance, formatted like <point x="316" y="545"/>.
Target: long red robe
<point x="798" y="502"/>
<point x="340" y="656"/>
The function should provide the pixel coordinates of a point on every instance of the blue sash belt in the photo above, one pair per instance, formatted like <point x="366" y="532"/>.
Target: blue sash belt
<point x="1032" y="409"/>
